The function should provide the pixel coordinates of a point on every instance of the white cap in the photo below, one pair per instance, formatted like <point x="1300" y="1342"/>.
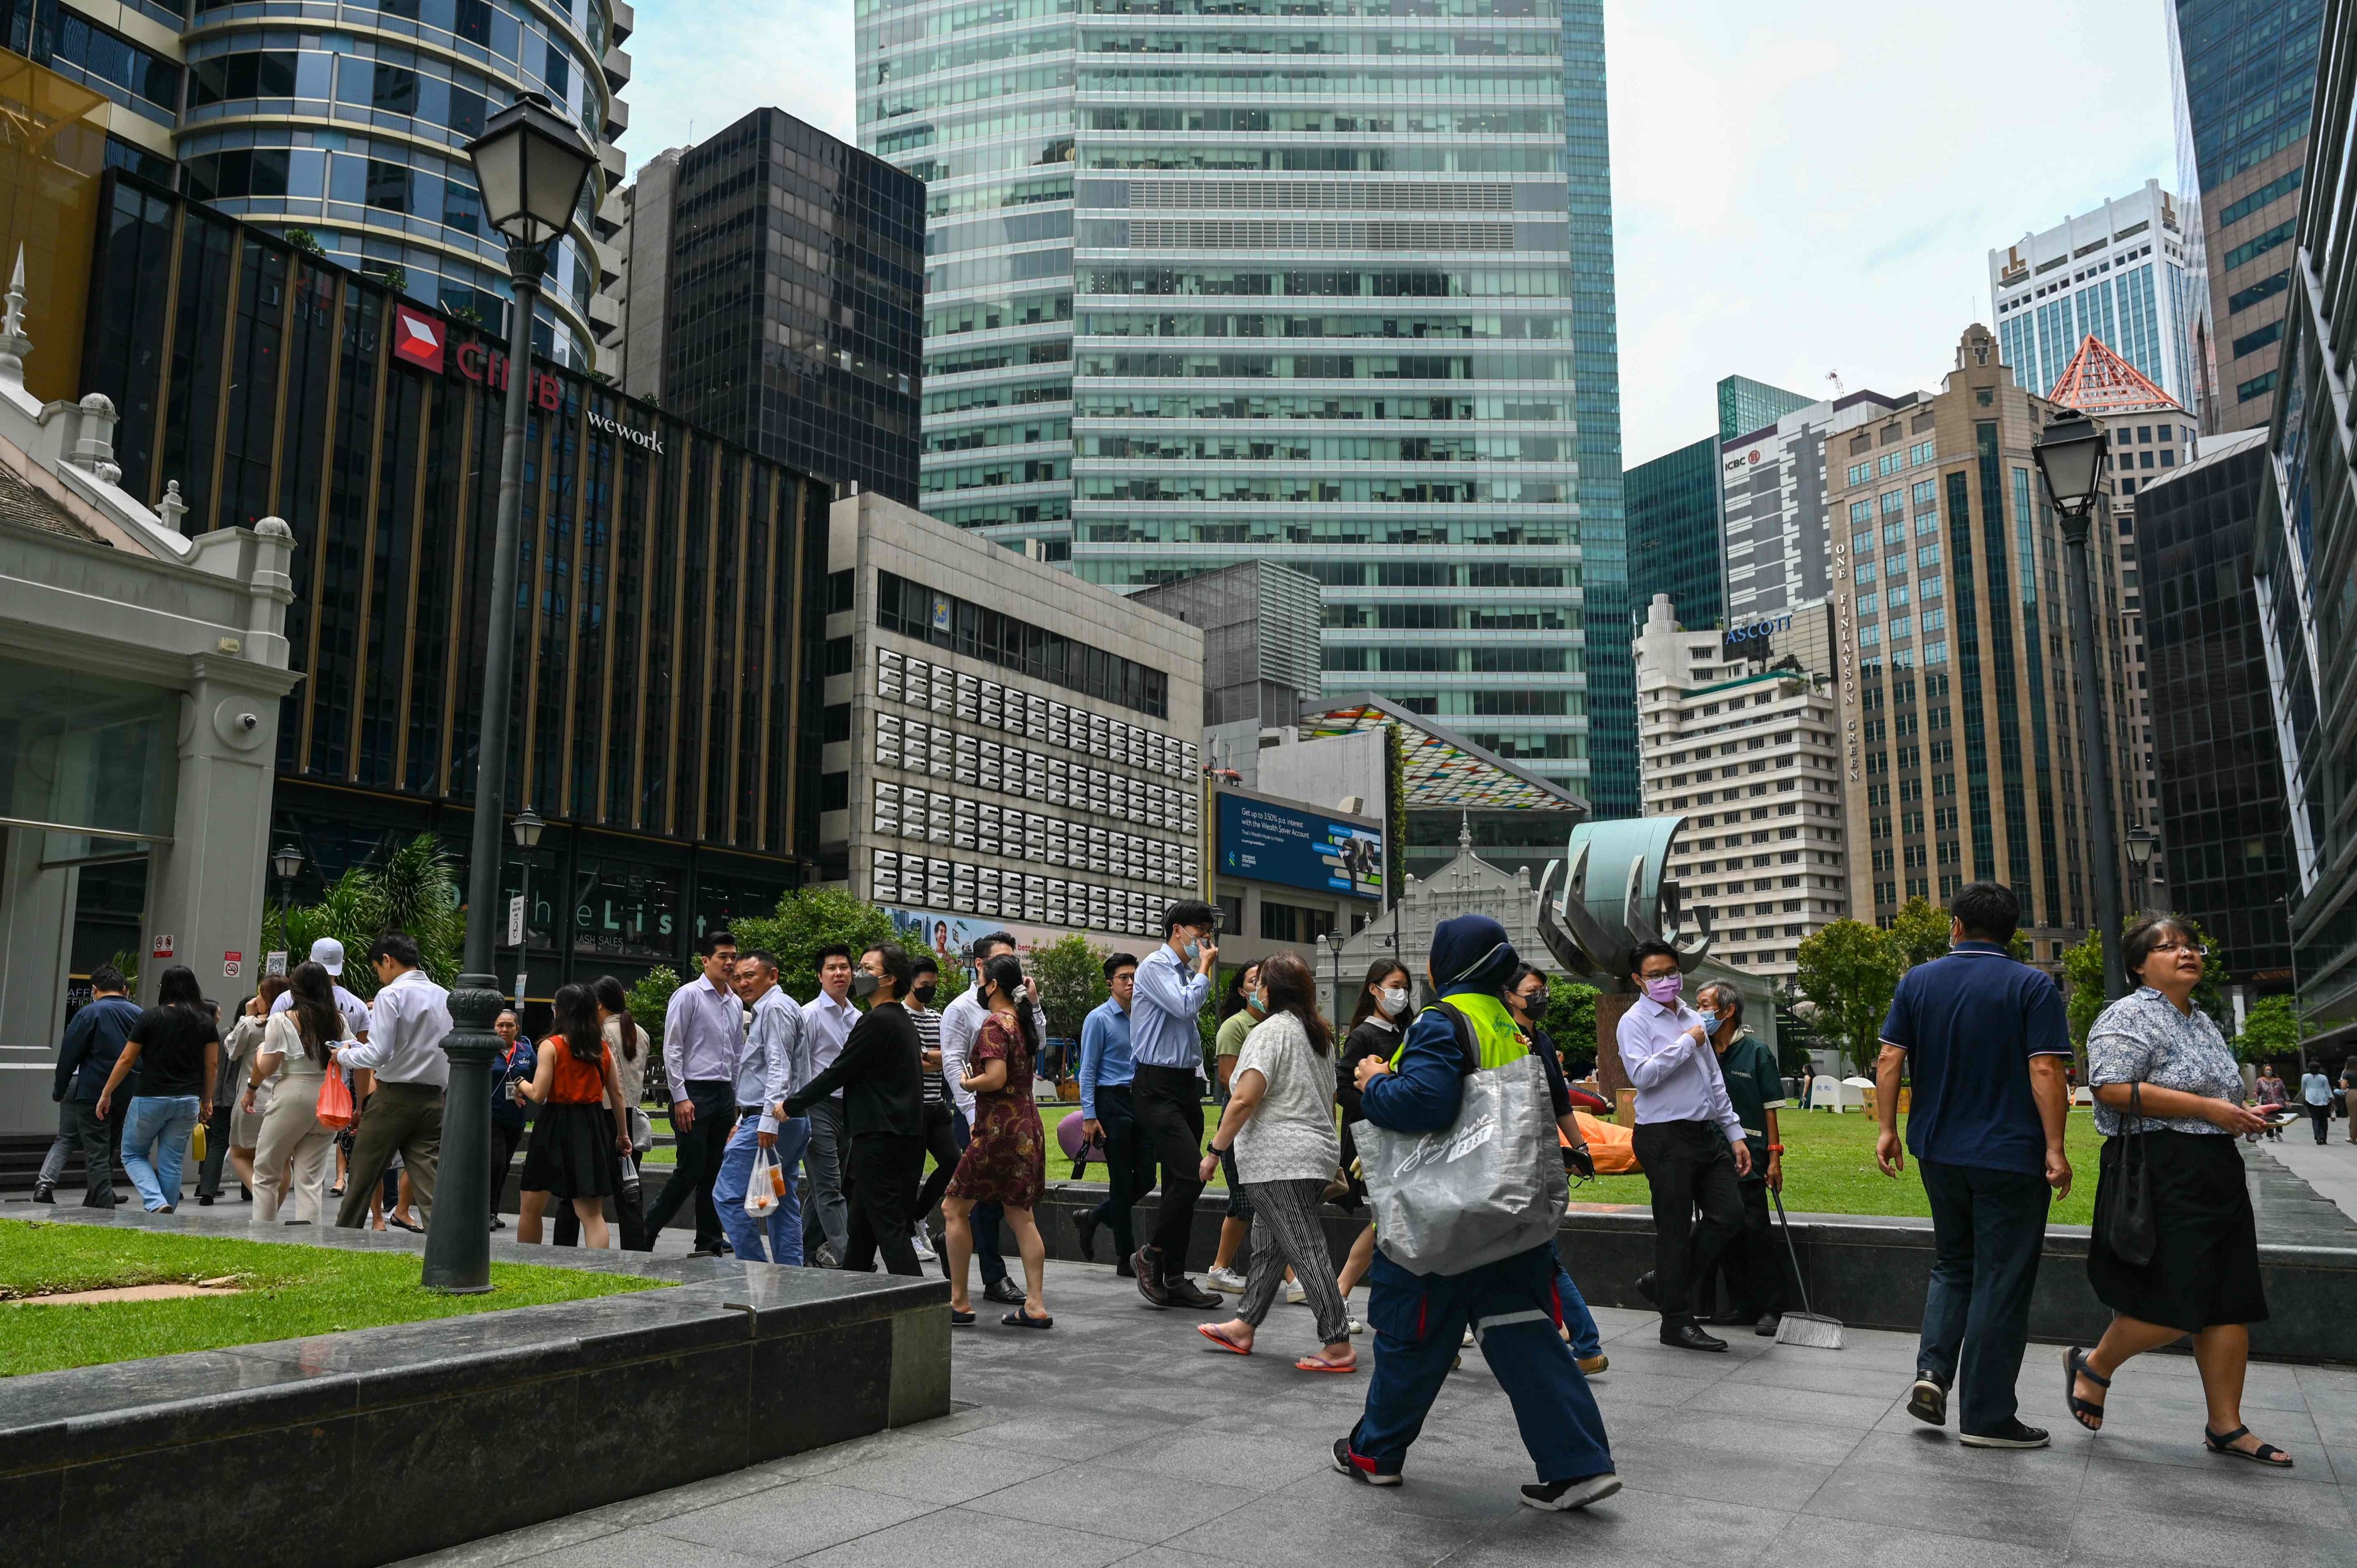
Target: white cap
<point x="328" y="954"/>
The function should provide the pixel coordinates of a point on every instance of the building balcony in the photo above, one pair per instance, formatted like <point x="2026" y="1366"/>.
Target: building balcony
<point x="625" y="20"/>
<point x="617" y="66"/>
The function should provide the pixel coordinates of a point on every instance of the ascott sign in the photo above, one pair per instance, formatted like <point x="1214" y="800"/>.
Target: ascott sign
<point x="419" y="340"/>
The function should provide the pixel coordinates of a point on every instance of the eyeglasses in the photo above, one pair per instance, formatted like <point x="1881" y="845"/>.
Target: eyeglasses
<point x="2193" y="948"/>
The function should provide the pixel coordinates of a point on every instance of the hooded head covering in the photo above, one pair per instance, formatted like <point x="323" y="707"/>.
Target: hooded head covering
<point x="1471" y="950"/>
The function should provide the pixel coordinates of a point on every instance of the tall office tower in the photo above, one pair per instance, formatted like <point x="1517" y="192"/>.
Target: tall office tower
<point x="355" y="130"/>
<point x="1612" y="773"/>
<point x="2122" y="273"/>
<point x="2150" y="437"/>
<point x="2303" y="580"/>
<point x="1961" y="745"/>
<point x="1778" y="534"/>
<point x="2244" y="75"/>
<point x="1753" y="758"/>
<point x="1673" y="533"/>
<point x="1312" y="279"/>
<point x="2222" y="807"/>
<point x="774" y="292"/>
<point x="1745" y="405"/>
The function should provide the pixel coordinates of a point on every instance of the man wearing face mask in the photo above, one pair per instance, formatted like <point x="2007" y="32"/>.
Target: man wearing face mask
<point x="1167" y="1091"/>
<point x="1688" y="1138"/>
<point x="879" y="1076"/>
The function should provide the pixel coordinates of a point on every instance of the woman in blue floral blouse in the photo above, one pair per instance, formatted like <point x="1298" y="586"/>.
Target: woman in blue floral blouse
<point x="2156" y="1049"/>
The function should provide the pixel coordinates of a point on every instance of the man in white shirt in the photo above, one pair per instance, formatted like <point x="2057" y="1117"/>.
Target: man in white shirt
<point x="961" y="1021"/>
<point x="407" y="1025"/>
<point x="776" y="1063"/>
<point x="328" y="954"/>
<point x="703" y="1038"/>
<point x="1688" y="1139"/>
<point x="827" y="1018"/>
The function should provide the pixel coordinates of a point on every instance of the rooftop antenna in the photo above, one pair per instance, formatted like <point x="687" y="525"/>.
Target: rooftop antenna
<point x="1835" y="377"/>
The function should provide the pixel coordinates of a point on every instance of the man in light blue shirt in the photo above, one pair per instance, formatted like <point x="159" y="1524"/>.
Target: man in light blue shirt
<point x="776" y="1063"/>
<point x="704" y="1034"/>
<point x="1166" y="1092"/>
<point x="827" y="1020"/>
<point x="1107" y="1115"/>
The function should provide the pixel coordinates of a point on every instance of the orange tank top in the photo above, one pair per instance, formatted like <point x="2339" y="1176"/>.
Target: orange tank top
<point x="576" y="1082"/>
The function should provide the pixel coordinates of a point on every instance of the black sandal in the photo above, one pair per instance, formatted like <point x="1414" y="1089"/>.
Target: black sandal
<point x="2266" y="1453"/>
<point x="2074" y="1367"/>
<point x="960" y="1319"/>
<point x="1021" y="1318"/>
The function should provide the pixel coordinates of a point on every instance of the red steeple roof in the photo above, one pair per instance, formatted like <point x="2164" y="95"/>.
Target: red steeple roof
<point x="2097" y="381"/>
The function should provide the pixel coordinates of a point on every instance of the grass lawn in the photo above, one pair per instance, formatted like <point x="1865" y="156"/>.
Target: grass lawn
<point x="1828" y="1168"/>
<point x="285" y="1291"/>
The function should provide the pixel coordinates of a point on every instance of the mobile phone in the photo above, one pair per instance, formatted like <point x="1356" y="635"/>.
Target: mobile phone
<point x="2282" y="1115"/>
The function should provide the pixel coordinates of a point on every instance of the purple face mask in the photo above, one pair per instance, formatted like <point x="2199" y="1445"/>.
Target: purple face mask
<point x="1664" y="989"/>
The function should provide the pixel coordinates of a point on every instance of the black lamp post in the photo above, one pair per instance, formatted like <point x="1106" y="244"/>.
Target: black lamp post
<point x="2141" y="843"/>
<point x="287" y="865"/>
<point x="527" y="829"/>
<point x="2071" y="459"/>
<point x="530" y="163"/>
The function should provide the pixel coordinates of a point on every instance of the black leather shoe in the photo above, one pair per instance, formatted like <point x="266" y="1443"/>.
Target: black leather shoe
<point x="1122" y="1270"/>
<point x="1184" y="1292"/>
<point x="1145" y="1268"/>
<point x="1085" y="1231"/>
<point x="1690" y="1336"/>
<point x="204" y="1200"/>
<point x="44" y="1192"/>
<point x="1004" y="1292"/>
<point x="1768" y="1324"/>
<point x="1645" y="1287"/>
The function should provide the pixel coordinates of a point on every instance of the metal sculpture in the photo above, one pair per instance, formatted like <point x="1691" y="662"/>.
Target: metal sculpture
<point x="1615" y="893"/>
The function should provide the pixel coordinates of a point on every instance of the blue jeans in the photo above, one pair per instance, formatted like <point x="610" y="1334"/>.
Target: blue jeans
<point x="1987" y="1228"/>
<point x="783" y="1224"/>
<point x="1587" y="1340"/>
<point x="154" y="1143"/>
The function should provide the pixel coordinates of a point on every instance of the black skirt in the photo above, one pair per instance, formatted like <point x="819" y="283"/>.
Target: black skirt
<point x="572" y="1152"/>
<point x="2205" y="1269"/>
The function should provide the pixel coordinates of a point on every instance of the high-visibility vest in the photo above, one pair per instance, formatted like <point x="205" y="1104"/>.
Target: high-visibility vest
<point x="1497" y="1038"/>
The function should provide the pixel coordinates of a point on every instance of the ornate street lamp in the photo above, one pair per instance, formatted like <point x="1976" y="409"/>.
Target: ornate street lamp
<point x="2071" y="459"/>
<point x="527" y="830"/>
<point x="530" y="163"/>
<point x="2141" y="843"/>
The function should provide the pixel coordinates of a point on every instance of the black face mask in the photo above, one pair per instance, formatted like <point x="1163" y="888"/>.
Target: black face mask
<point x="924" y="995"/>
<point x="864" y="985"/>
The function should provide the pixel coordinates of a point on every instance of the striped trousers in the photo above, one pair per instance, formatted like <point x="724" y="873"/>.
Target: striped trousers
<point x="1285" y="1231"/>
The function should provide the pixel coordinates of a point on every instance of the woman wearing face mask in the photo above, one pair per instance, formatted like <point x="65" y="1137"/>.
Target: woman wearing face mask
<point x="1375" y="1026"/>
<point x="1279" y="1130"/>
<point x="1005" y="1161"/>
<point x="1240" y="1013"/>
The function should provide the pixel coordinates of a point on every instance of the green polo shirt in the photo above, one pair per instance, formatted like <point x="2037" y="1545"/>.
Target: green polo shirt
<point x="1755" y="1087"/>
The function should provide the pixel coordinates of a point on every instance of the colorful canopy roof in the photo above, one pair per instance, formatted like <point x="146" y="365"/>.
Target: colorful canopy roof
<point x="1442" y="770"/>
<point x="2098" y="381"/>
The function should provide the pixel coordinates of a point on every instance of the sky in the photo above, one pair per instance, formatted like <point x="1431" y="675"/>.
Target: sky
<point x="1802" y="189"/>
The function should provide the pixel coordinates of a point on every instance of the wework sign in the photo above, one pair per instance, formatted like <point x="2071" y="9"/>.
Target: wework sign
<point x="649" y="439"/>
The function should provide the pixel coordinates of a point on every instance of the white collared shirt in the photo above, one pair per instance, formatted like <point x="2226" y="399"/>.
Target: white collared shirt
<point x="1675" y="1072"/>
<point x="407" y="1024"/>
<point x="826" y="1023"/>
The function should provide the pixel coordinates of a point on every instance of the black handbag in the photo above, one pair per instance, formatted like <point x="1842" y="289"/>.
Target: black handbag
<point x="2123" y="1215"/>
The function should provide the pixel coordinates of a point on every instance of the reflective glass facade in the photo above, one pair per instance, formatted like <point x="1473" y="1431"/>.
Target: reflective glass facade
<point x="1373" y="194"/>
<point x="1674" y="539"/>
<point x="670" y="595"/>
<point x="1745" y="405"/>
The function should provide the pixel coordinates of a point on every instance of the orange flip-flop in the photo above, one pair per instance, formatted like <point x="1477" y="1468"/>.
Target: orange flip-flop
<point x="1211" y="1331"/>
<point x="1319" y="1364"/>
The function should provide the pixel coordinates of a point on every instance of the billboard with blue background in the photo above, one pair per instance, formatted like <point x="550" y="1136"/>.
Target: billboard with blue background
<point x="1266" y="841"/>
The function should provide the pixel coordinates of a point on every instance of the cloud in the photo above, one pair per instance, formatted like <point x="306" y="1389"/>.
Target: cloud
<point x="1814" y="187"/>
<point x="699" y="66"/>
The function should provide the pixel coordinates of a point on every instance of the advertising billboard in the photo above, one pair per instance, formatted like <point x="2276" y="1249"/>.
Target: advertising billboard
<point x="1269" y="843"/>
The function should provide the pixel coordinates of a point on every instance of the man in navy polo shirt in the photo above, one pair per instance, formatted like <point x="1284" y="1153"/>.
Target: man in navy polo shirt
<point x="1985" y="1042"/>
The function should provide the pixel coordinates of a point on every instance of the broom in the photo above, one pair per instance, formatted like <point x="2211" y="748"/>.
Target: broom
<point x="1804" y="1327"/>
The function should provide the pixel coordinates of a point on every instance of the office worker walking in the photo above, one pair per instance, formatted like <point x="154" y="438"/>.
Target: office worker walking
<point x="407" y="1024"/>
<point x="704" y="1035"/>
<point x="1167" y="1091"/>
<point x="879" y="1074"/>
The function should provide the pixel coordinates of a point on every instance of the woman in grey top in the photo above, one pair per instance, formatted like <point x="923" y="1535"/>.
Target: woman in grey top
<point x="2155" y="1051"/>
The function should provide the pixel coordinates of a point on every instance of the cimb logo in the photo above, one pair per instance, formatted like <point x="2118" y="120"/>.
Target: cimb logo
<point x="651" y="440"/>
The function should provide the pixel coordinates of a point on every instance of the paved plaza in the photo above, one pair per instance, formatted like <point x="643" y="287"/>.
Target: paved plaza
<point x="1118" y="1437"/>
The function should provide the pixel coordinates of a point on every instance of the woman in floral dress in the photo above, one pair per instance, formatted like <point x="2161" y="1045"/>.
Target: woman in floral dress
<point x="1006" y="1162"/>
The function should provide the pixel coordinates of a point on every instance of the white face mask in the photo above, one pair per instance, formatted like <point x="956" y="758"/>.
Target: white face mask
<point x="1393" y="999"/>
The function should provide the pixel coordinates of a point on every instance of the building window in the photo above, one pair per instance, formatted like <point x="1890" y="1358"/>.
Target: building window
<point x="1292" y="922"/>
<point x="2257" y="387"/>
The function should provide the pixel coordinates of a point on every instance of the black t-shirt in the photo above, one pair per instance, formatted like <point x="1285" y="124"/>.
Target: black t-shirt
<point x="171" y="1042"/>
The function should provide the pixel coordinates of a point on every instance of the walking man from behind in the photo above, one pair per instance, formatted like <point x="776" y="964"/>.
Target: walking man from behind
<point x="1106" y="1115"/>
<point x="776" y="1063"/>
<point x="407" y="1024"/>
<point x="827" y="1021"/>
<point x="93" y="1040"/>
<point x="1984" y="1041"/>
<point x="1688" y="1139"/>
<point x="1167" y="1092"/>
<point x="704" y="1035"/>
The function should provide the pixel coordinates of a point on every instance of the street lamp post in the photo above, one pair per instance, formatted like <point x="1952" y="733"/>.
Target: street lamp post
<point x="2141" y="841"/>
<point x="1334" y="947"/>
<point x="527" y="828"/>
<point x="287" y="865"/>
<point x="531" y="165"/>
<point x="2071" y="459"/>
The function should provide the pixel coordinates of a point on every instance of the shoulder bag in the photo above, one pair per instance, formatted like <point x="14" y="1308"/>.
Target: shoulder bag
<point x="2124" y="1216"/>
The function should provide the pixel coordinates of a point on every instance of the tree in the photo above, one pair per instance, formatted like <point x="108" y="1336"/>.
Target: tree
<point x="650" y="999"/>
<point x="807" y="919"/>
<point x="1920" y="932"/>
<point x="1571" y="1023"/>
<point x="2272" y="1031"/>
<point x="1849" y="971"/>
<point x="306" y="241"/>
<point x="415" y="891"/>
<point x="1070" y="976"/>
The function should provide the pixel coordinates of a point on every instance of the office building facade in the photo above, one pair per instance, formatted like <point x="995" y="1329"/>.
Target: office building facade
<point x="2122" y="273"/>
<point x="1260" y="623"/>
<point x="1779" y="532"/>
<point x="1753" y="762"/>
<point x="2244" y="73"/>
<point x="1380" y="205"/>
<point x="350" y="124"/>
<point x="2304" y="574"/>
<point x="1006" y="747"/>
<point x="670" y="599"/>
<point x="1675" y="544"/>
<point x="1963" y="758"/>
<point x="780" y="275"/>
<point x="1745" y="405"/>
<point x="2222" y="808"/>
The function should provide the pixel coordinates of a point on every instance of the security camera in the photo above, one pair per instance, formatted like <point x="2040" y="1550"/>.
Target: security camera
<point x="249" y="722"/>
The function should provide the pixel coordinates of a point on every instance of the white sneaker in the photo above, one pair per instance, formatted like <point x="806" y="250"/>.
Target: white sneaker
<point x="1357" y="1326"/>
<point x="1226" y="1280"/>
<point x="1294" y="1296"/>
<point x="924" y="1244"/>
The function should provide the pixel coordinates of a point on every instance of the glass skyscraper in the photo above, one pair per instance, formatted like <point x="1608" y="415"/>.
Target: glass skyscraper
<point x="1292" y="280"/>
